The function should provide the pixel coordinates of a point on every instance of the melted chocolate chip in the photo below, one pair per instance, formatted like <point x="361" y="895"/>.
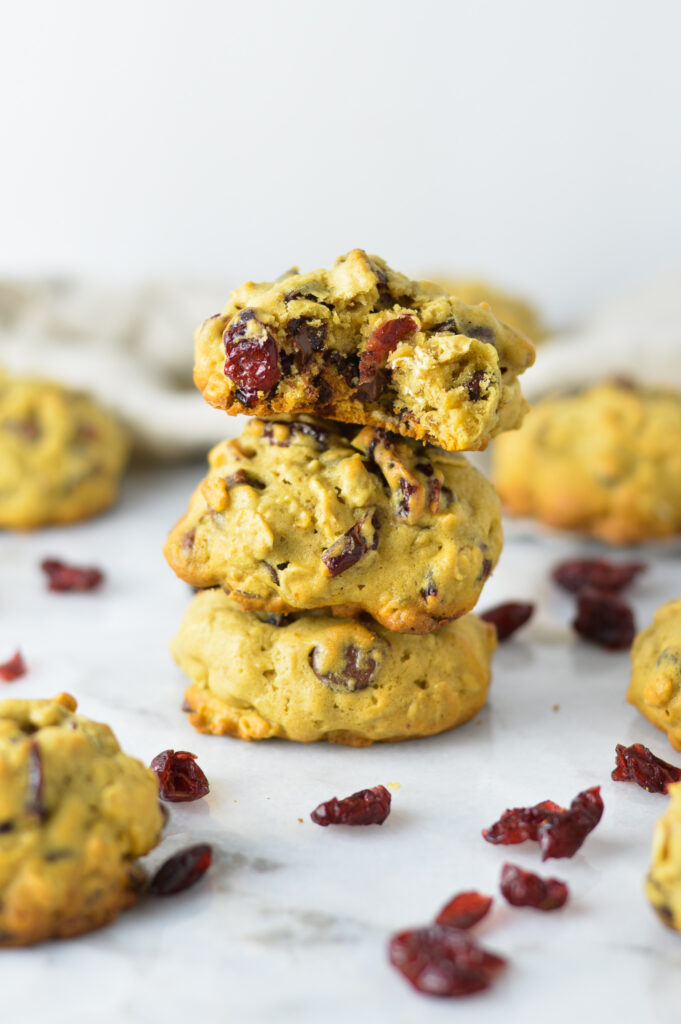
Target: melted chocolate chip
<point x="429" y="590"/>
<point x="356" y="674"/>
<point x="372" y="389"/>
<point x="298" y="293"/>
<point x="307" y="336"/>
<point x="347" y="366"/>
<point x="447" y="326"/>
<point x="242" y="477"/>
<point x="474" y="385"/>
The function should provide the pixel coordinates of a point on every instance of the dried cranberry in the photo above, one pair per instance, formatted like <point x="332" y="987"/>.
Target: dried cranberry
<point x="367" y="807"/>
<point x="525" y="889"/>
<point x="353" y="545"/>
<point x="307" y="336"/>
<point x="474" y="385"/>
<point x="382" y="341"/>
<point x="372" y="389"/>
<point x="605" y="620"/>
<point x="506" y="617"/>
<point x="13" y="669"/>
<point x="62" y="577"/>
<point x="598" y="573"/>
<point x="356" y="674"/>
<point x="252" y="357"/>
<point x="179" y="777"/>
<point x="560" y="832"/>
<point x="181" y="871"/>
<point x="464" y="910"/>
<point x="520" y="823"/>
<point x="443" y="961"/>
<point x="638" y="764"/>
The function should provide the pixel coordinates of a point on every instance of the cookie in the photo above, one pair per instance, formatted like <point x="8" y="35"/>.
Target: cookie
<point x="363" y="344"/>
<point x="295" y="515"/>
<point x="663" y="884"/>
<point x="321" y="678"/>
<point x="605" y="460"/>
<point x="655" y="687"/>
<point x="75" y="812"/>
<point x="513" y="310"/>
<point x="61" y="454"/>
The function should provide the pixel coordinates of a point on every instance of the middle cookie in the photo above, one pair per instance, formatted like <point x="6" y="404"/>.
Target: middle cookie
<point x="300" y="514"/>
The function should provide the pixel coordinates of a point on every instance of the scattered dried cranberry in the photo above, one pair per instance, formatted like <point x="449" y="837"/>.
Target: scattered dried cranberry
<point x="381" y="342"/>
<point x="252" y="357"/>
<point x="179" y="777"/>
<point x="598" y="573"/>
<point x="464" y="910"/>
<point x="367" y="807"/>
<point x="443" y="961"/>
<point x="181" y="871"/>
<point x="525" y="889"/>
<point x="62" y="577"/>
<point x="638" y="764"/>
<point x="520" y="823"/>
<point x="13" y="669"/>
<point x="352" y="546"/>
<point x="559" y="831"/>
<point x="508" y="617"/>
<point x="604" y="619"/>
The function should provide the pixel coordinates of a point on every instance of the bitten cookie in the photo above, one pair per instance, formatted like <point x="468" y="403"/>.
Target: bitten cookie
<point x="655" y="687"/>
<point x="513" y="310"/>
<point x="663" y="885"/>
<point x="75" y="812"/>
<point x="319" y="678"/>
<point x="606" y="460"/>
<point x="363" y="344"/>
<point x="61" y="454"/>
<point x="295" y="515"/>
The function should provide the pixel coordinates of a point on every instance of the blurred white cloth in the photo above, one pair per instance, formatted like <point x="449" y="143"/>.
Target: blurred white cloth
<point x="635" y="336"/>
<point x="131" y="348"/>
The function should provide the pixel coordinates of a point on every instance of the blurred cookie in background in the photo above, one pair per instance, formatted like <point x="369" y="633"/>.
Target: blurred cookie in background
<point x="62" y="455"/>
<point x="605" y="460"/>
<point x="513" y="310"/>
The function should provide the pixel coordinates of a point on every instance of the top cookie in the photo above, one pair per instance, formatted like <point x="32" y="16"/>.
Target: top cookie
<point x="295" y="515"/>
<point x="61" y="454"/>
<point x="75" y="812"/>
<point x="363" y="344"/>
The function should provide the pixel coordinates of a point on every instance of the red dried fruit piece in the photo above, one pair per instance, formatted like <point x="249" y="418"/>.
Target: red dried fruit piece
<point x="13" y="669"/>
<point x="638" y="764"/>
<point x="525" y="889"/>
<point x="179" y="777"/>
<point x="604" y="619"/>
<point x="443" y="961"/>
<point x="352" y="546"/>
<point x="508" y="617"/>
<point x="381" y="342"/>
<point x="520" y="823"/>
<point x="577" y="573"/>
<point x="464" y="910"/>
<point x="252" y="357"/>
<point x="366" y="807"/>
<point x="181" y="871"/>
<point x="62" y="577"/>
<point x="562" y="834"/>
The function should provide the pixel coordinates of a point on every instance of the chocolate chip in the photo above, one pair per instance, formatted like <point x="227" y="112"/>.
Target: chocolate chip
<point x="273" y="573"/>
<point x="242" y="477"/>
<point x="347" y="366"/>
<point x="353" y="545"/>
<point x="447" y="326"/>
<point x="307" y="336"/>
<point x="356" y="674"/>
<point x="474" y="385"/>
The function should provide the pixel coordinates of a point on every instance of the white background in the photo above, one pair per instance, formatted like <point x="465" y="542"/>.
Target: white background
<point x="535" y="141"/>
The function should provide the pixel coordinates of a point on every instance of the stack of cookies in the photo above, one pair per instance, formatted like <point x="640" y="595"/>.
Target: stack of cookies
<point x="342" y="540"/>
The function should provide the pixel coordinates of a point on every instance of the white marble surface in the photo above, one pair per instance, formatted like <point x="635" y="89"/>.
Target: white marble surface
<point x="291" y="923"/>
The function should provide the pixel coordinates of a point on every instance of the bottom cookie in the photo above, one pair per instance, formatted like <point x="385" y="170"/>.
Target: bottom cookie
<point x="317" y="677"/>
<point x="75" y="813"/>
<point x="655" y="687"/>
<point x="663" y="885"/>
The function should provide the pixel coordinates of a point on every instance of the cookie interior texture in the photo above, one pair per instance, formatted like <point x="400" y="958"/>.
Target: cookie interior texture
<point x="61" y="454"/>
<point x="655" y="687"/>
<point x="302" y="514"/>
<point x="364" y="344"/>
<point x="321" y="678"/>
<point x="605" y="460"/>
<point x="75" y="813"/>
<point x="663" y="885"/>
